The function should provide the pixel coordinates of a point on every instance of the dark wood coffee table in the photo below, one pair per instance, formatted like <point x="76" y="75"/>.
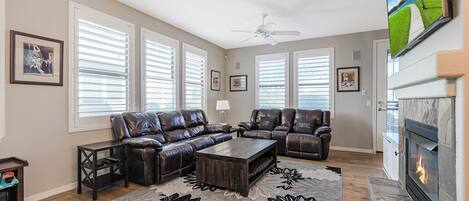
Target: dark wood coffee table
<point x="236" y="164"/>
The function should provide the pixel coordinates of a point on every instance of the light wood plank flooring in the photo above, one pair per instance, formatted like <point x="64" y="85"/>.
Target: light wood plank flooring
<point x="356" y="167"/>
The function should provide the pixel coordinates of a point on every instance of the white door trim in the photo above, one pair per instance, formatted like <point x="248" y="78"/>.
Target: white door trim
<point x="375" y="88"/>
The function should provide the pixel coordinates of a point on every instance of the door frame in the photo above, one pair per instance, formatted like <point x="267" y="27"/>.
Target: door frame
<point x="375" y="89"/>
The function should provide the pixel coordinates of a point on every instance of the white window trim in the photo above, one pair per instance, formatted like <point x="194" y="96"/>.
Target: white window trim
<point x="319" y="52"/>
<point x="2" y="69"/>
<point x="287" y="74"/>
<point x="188" y="47"/>
<point x="163" y="39"/>
<point x="98" y="122"/>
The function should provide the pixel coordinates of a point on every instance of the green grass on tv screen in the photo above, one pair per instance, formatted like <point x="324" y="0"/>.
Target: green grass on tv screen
<point x="400" y="21"/>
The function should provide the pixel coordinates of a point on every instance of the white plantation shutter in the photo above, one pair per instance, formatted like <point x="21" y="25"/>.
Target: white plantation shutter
<point x="101" y="70"/>
<point x="159" y="68"/>
<point x="195" y="61"/>
<point x="272" y="80"/>
<point x="314" y="77"/>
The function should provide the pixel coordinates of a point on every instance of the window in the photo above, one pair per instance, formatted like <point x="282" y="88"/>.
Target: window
<point x="314" y="79"/>
<point x="272" y="81"/>
<point x="159" y="72"/>
<point x="392" y="106"/>
<point x="195" y="62"/>
<point x="101" y="57"/>
<point x="2" y="69"/>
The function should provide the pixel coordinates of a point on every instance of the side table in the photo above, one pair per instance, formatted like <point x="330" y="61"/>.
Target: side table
<point x="232" y="130"/>
<point x="90" y="164"/>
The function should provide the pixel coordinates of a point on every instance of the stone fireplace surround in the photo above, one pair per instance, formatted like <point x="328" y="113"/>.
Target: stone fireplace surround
<point x="440" y="113"/>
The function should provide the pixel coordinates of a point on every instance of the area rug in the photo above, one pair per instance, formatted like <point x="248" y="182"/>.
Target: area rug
<point x="290" y="181"/>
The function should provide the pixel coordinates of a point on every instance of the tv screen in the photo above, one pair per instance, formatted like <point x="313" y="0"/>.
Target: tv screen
<point x="411" y="21"/>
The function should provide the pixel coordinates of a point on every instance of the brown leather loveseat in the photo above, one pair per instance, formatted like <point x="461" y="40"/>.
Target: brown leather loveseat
<point x="161" y="145"/>
<point x="299" y="133"/>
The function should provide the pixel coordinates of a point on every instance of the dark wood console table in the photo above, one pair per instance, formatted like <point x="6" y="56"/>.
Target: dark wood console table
<point x="236" y="164"/>
<point x="90" y="164"/>
<point x="14" y="193"/>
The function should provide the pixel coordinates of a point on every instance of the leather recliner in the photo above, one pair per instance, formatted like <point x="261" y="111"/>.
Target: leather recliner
<point x="299" y="133"/>
<point x="161" y="145"/>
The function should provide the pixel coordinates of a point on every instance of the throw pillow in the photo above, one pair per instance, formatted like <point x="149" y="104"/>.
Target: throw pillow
<point x="267" y="123"/>
<point x="303" y="127"/>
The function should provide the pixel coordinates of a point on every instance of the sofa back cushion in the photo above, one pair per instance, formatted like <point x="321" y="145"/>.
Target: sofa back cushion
<point x="307" y="121"/>
<point x="171" y="121"/>
<point x="194" y="118"/>
<point x="142" y="123"/>
<point x="288" y="117"/>
<point x="267" y="114"/>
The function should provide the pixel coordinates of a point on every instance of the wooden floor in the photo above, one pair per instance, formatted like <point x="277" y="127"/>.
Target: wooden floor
<point x="356" y="167"/>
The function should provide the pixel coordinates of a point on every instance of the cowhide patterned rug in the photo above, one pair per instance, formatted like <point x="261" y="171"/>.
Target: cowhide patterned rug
<point x="290" y="181"/>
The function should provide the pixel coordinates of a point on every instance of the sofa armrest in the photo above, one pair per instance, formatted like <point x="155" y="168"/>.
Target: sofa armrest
<point x="325" y="137"/>
<point x="322" y="130"/>
<point x="218" y="128"/>
<point x="282" y="128"/>
<point x="246" y="125"/>
<point x="143" y="143"/>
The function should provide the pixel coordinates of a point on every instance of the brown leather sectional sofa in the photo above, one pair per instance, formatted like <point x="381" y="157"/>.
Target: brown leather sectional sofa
<point x="162" y="145"/>
<point x="299" y="133"/>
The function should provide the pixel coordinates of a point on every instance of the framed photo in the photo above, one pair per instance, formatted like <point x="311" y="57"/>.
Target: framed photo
<point x="238" y="83"/>
<point x="215" y="79"/>
<point x="36" y="60"/>
<point x="348" y="79"/>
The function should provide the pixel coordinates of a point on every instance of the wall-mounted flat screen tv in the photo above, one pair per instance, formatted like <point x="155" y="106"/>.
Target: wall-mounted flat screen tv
<point x="411" y="21"/>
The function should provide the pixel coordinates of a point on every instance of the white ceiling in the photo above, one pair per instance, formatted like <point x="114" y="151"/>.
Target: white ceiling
<point x="213" y="20"/>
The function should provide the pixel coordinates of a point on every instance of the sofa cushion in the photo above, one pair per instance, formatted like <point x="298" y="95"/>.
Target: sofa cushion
<point x="200" y="142"/>
<point x="176" y="135"/>
<point x="271" y="113"/>
<point x="259" y="134"/>
<point x="175" y="156"/>
<point x="267" y="123"/>
<point x="220" y="137"/>
<point x="194" y="118"/>
<point x="307" y="116"/>
<point x="304" y="143"/>
<point x="171" y="120"/>
<point x="158" y="137"/>
<point x="142" y="123"/>
<point x="197" y="130"/>
<point x="303" y="127"/>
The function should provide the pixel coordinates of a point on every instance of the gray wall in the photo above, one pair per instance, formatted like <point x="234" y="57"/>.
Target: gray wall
<point x="37" y="123"/>
<point x="352" y="125"/>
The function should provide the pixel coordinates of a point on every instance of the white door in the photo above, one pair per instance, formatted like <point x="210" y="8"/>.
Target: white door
<point x="385" y="102"/>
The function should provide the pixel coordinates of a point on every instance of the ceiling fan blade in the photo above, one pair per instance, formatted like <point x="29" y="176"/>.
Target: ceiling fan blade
<point x="242" y="31"/>
<point x="271" y="40"/>
<point x="285" y="33"/>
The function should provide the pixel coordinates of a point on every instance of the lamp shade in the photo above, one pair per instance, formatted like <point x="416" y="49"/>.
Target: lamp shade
<point x="223" y="105"/>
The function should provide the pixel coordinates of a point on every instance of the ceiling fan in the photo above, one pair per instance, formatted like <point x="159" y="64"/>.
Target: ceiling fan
<point x="265" y="31"/>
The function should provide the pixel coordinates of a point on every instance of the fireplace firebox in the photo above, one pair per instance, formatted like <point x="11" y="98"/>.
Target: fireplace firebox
<point x="421" y="154"/>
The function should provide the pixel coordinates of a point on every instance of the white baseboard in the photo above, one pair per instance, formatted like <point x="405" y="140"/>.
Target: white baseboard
<point x="51" y="192"/>
<point x="352" y="149"/>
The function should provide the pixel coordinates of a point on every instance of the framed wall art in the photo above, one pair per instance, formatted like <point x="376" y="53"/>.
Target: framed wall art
<point x="215" y="78"/>
<point x="238" y="83"/>
<point x="348" y="79"/>
<point x="36" y="60"/>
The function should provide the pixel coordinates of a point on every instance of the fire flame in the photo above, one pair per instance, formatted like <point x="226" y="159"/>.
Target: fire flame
<point x="421" y="171"/>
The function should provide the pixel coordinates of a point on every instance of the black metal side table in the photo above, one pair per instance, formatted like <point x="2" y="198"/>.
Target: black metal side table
<point x="90" y="164"/>
<point x="232" y="130"/>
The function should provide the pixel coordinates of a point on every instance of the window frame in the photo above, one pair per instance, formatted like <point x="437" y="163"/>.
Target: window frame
<point x="190" y="48"/>
<point x="258" y="58"/>
<point x="77" y="124"/>
<point x="316" y="52"/>
<point x="166" y="40"/>
<point x="2" y="68"/>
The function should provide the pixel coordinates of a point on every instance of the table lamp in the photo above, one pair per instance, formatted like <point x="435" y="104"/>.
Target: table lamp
<point x="222" y="106"/>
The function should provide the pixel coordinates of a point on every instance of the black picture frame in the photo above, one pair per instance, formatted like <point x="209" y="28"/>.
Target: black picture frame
<point x="339" y="76"/>
<point x="238" y="76"/>
<point x="13" y="63"/>
<point x="211" y="80"/>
